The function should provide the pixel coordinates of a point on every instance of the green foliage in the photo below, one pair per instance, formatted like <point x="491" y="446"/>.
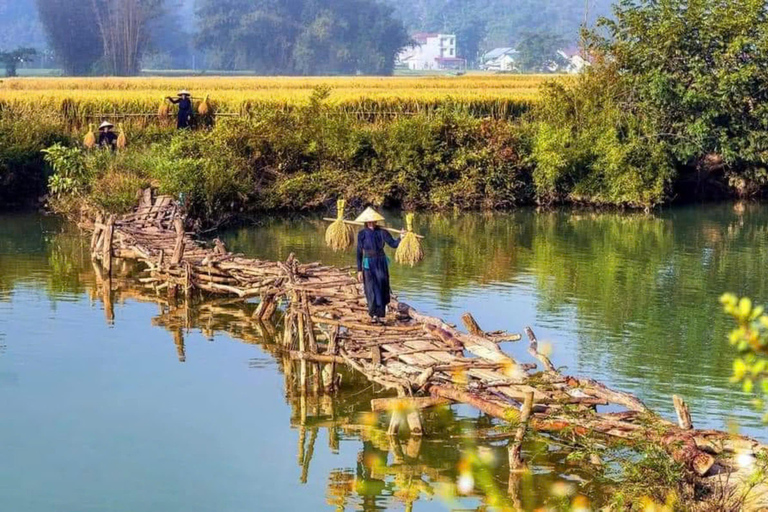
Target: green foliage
<point x="297" y="161"/>
<point x="301" y="37"/>
<point x="650" y="479"/>
<point x="71" y="30"/>
<point x="538" y="52"/>
<point x="750" y="368"/>
<point x="693" y="74"/>
<point x="22" y="168"/>
<point x="12" y="59"/>
<point x="587" y="148"/>
<point x="69" y="172"/>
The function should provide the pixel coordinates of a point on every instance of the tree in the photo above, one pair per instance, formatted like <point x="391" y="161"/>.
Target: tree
<point x="13" y="58"/>
<point x="538" y="52"/>
<point x="697" y="72"/>
<point x="69" y="28"/>
<point x="123" y="29"/>
<point x="302" y="36"/>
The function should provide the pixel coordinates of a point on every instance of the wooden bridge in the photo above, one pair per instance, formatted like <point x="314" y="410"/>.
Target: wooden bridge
<point x="423" y="359"/>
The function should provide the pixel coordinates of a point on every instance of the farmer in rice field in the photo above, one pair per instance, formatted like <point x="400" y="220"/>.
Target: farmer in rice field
<point x="372" y="263"/>
<point x="184" y="101"/>
<point x="107" y="138"/>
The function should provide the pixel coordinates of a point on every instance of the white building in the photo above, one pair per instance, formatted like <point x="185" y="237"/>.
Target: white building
<point x="500" y="59"/>
<point x="431" y="51"/>
<point x="575" y="63"/>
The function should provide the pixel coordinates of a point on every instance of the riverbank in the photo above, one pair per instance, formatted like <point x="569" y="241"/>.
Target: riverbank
<point x="425" y="149"/>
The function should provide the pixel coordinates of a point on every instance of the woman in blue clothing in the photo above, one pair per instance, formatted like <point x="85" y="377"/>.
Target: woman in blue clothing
<point x="372" y="264"/>
<point x="184" y="102"/>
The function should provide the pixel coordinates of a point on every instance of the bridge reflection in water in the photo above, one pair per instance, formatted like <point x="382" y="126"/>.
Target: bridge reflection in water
<point x="460" y="462"/>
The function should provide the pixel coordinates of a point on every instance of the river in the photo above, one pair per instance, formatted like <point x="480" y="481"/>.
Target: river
<point x="127" y="404"/>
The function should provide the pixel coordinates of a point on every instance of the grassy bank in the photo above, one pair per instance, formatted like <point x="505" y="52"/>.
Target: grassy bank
<point x="474" y="142"/>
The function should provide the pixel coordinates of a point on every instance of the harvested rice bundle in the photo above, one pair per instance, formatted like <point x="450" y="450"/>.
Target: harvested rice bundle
<point x="204" y="107"/>
<point x="340" y="235"/>
<point x="409" y="252"/>
<point x="122" y="141"/>
<point x="164" y="110"/>
<point x="90" y="138"/>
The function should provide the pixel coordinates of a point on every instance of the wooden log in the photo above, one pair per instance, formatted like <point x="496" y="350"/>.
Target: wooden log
<point x="516" y="446"/>
<point x="533" y="349"/>
<point x="178" y="248"/>
<point x="333" y="350"/>
<point x="459" y="395"/>
<point x="683" y="449"/>
<point x="106" y="248"/>
<point x="683" y="415"/>
<point x="475" y="344"/>
<point x="410" y="403"/>
<point x="471" y="324"/>
<point x="413" y="418"/>
<point x="96" y="232"/>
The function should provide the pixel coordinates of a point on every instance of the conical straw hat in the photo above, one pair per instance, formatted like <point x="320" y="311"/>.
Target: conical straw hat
<point x="106" y="124"/>
<point x="184" y="92"/>
<point x="370" y="215"/>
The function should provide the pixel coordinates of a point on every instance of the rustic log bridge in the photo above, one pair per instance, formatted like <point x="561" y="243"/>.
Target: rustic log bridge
<point x="423" y="359"/>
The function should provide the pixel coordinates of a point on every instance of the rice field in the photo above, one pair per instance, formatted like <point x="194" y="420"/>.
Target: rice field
<point x="80" y="98"/>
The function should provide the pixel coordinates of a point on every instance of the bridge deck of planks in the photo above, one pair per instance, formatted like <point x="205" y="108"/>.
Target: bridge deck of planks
<point x="425" y="360"/>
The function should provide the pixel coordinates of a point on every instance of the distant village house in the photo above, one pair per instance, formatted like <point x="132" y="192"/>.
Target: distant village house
<point x="500" y="59"/>
<point x="505" y="59"/>
<point x="431" y="51"/>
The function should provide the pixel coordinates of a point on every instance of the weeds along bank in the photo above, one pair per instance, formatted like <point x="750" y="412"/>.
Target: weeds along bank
<point x="299" y="160"/>
<point x="473" y="142"/>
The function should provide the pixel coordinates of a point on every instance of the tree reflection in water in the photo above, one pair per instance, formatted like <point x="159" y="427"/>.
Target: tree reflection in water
<point x="637" y="286"/>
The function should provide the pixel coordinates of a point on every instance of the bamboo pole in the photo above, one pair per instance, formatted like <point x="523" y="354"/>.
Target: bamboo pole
<point x="360" y="224"/>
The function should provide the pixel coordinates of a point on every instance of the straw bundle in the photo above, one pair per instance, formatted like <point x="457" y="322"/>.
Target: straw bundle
<point x="122" y="141"/>
<point x="340" y="235"/>
<point x="409" y="252"/>
<point x="90" y="138"/>
<point x="164" y="110"/>
<point x="204" y="107"/>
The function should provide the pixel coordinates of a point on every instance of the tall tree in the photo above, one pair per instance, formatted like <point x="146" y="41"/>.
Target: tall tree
<point x="12" y="59"/>
<point x="302" y="36"/>
<point x="69" y="28"/>
<point x="123" y="29"/>
<point x="538" y="52"/>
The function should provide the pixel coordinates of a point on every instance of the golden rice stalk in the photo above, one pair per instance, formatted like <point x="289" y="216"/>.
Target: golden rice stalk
<point x="164" y="110"/>
<point x="339" y="235"/>
<point x="409" y="252"/>
<point x="89" y="140"/>
<point x="122" y="141"/>
<point x="204" y="107"/>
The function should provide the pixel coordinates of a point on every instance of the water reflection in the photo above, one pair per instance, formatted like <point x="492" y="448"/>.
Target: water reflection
<point x="631" y="299"/>
<point x="626" y="297"/>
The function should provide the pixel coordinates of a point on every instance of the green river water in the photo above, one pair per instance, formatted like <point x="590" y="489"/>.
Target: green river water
<point x="143" y="407"/>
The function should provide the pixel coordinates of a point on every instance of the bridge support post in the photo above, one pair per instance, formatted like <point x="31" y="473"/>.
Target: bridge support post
<point x="516" y="462"/>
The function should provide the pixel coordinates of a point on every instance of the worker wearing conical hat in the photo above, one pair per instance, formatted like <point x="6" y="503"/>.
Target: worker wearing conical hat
<point x="107" y="138"/>
<point x="184" y="101"/>
<point x="372" y="264"/>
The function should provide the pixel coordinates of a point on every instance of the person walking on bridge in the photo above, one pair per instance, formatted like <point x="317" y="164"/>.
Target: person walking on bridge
<point x="372" y="263"/>
<point x="184" y="101"/>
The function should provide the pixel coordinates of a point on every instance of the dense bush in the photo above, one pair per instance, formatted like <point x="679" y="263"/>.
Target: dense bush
<point x="22" y="170"/>
<point x="304" y="160"/>
<point x="674" y="105"/>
